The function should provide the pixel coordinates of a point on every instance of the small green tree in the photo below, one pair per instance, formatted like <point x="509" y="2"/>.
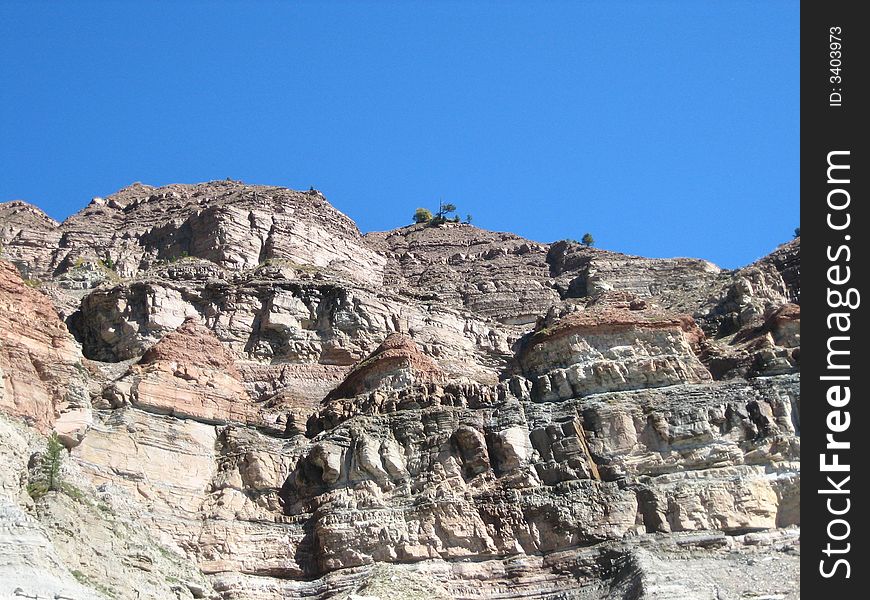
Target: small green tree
<point x="587" y="240"/>
<point x="443" y="211"/>
<point x="49" y="475"/>
<point x="468" y="219"/>
<point x="52" y="463"/>
<point x="797" y="232"/>
<point x="446" y="209"/>
<point x="440" y="217"/>
<point x="422" y="215"/>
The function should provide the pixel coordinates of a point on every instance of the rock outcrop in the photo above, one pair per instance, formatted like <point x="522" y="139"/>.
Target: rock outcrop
<point x="262" y="403"/>
<point x="231" y="224"/>
<point x="41" y="374"/>
<point x="397" y="363"/>
<point x="610" y="349"/>
<point x="187" y="374"/>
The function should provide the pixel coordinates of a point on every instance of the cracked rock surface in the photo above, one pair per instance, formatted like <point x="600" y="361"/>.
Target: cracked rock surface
<point x="256" y="401"/>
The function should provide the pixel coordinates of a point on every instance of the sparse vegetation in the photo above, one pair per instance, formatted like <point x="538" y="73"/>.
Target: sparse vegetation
<point x="80" y="577"/>
<point x="173" y="259"/>
<point x="385" y="580"/>
<point x="49" y="477"/>
<point x="283" y="262"/>
<point x="34" y="283"/>
<point x="797" y="232"/>
<point x="105" y="508"/>
<point x="73" y="492"/>
<point x="468" y="219"/>
<point x="587" y="240"/>
<point x="107" y="267"/>
<point x="422" y="215"/>
<point x="444" y="209"/>
<point x="52" y="462"/>
<point x="442" y="215"/>
<point x="87" y="581"/>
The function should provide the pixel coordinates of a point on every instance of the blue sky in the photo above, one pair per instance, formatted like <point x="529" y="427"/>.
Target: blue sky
<point x="663" y="128"/>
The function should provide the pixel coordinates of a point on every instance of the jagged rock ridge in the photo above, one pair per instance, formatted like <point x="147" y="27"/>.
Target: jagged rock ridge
<point x="265" y="403"/>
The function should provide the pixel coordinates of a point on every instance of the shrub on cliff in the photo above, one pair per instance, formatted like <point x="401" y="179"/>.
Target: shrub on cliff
<point x="422" y="215"/>
<point x="49" y="476"/>
<point x="444" y="209"/>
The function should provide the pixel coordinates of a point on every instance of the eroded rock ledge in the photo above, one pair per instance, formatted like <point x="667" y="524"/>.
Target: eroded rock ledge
<point x="263" y="403"/>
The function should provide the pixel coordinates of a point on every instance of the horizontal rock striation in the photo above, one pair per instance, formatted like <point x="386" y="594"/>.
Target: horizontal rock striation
<point x="229" y="223"/>
<point x="611" y="349"/>
<point x="42" y="378"/>
<point x="496" y="275"/>
<point x="396" y="363"/>
<point x="187" y="374"/>
<point x="262" y="403"/>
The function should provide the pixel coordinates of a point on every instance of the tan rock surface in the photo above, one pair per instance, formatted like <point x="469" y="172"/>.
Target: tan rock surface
<point x="284" y="408"/>
<point x="40" y="364"/>
<point x="396" y="363"/>
<point x="611" y="349"/>
<point x="188" y="374"/>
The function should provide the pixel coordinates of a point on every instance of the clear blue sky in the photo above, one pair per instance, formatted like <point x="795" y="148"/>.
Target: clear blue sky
<point x="664" y="128"/>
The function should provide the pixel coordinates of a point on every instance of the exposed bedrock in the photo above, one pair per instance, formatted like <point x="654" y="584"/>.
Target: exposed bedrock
<point x="234" y="225"/>
<point x="468" y="470"/>
<point x="260" y="402"/>
<point x="610" y="349"/>
<point x="42" y="378"/>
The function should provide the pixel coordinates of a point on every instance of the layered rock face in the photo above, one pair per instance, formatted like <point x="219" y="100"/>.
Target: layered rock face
<point x="42" y="378"/>
<point x="396" y="363"/>
<point x="231" y="224"/>
<point x="187" y="374"/>
<point x="497" y="275"/>
<point x="262" y="403"/>
<point x="613" y="349"/>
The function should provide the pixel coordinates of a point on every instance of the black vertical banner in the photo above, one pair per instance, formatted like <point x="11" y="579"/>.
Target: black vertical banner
<point x="835" y="444"/>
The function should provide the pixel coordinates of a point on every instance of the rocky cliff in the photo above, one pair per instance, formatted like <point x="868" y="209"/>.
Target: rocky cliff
<point x="259" y="402"/>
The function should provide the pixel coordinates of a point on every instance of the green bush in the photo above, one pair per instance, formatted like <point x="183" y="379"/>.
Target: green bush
<point x="49" y="476"/>
<point x="52" y="462"/>
<point x="80" y="577"/>
<point x="422" y="215"/>
<point x="587" y="240"/>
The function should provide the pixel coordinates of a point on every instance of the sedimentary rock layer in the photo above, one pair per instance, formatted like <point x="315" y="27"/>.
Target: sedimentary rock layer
<point x="262" y="403"/>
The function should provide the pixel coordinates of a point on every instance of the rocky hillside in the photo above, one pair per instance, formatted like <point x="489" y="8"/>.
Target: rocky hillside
<point x="259" y="402"/>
